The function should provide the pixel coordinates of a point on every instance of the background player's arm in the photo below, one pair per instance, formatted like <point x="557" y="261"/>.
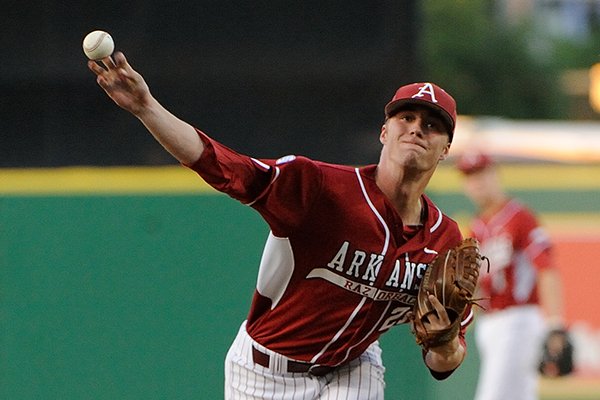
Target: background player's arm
<point x="129" y="91"/>
<point x="550" y="295"/>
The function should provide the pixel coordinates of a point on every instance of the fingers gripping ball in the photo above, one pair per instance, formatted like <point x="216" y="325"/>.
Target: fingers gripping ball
<point x="452" y="278"/>
<point x="98" y="45"/>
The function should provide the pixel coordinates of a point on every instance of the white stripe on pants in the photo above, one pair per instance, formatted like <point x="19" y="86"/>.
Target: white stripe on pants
<point x="360" y="379"/>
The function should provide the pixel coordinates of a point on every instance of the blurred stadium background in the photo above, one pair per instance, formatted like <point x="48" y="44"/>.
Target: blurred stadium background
<point x="115" y="282"/>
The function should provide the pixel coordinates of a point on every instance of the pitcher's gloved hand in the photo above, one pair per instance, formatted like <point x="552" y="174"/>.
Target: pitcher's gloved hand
<point x="452" y="278"/>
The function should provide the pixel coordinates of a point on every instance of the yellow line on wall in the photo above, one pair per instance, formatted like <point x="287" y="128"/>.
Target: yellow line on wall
<point x="527" y="177"/>
<point x="584" y="226"/>
<point x="109" y="180"/>
<point x="178" y="179"/>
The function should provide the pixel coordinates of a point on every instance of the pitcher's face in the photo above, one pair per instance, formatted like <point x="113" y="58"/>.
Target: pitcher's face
<point x="415" y="136"/>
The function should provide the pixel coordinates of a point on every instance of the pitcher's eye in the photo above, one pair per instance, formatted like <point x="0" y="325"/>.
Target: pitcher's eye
<point x="436" y="126"/>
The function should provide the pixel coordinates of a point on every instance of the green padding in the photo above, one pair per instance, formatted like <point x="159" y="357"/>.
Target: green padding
<point x="408" y="378"/>
<point x="545" y="201"/>
<point x="122" y="297"/>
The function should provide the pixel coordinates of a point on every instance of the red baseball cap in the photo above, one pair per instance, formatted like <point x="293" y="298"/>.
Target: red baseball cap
<point x="427" y="94"/>
<point x="469" y="163"/>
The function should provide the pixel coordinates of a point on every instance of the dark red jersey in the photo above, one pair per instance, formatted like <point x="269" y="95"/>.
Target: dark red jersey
<point x="517" y="247"/>
<point x="338" y="268"/>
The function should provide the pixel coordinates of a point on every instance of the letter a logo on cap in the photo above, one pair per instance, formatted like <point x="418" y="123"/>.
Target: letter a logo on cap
<point x="427" y="94"/>
<point x="426" y="89"/>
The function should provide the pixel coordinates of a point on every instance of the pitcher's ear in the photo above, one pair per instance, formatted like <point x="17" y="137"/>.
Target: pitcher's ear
<point x="445" y="153"/>
<point x="383" y="134"/>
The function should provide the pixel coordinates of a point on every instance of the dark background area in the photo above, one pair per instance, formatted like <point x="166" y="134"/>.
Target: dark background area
<point x="267" y="79"/>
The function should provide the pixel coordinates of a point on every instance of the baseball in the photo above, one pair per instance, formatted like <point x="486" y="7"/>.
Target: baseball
<point x="97" y="45"/>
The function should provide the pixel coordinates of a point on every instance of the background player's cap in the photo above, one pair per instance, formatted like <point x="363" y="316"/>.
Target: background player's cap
<point x="428" y="94"/>
<point x="469" y="163"/>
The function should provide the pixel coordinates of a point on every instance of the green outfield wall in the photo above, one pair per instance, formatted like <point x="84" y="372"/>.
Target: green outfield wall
<point x="131" y="284"/>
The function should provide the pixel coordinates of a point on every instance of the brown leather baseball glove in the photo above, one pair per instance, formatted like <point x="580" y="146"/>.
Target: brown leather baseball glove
<point x="452" y="279"/>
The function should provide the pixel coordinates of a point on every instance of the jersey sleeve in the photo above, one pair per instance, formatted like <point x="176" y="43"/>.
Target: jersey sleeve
<point x="239" y="176"/>
<point x="282" y="190"/>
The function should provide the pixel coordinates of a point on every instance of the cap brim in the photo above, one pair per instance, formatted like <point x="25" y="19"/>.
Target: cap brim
<point x="394" y="106"/>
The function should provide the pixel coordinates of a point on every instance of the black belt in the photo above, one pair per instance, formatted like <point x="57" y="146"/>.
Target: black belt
<point x="263" y="359"/>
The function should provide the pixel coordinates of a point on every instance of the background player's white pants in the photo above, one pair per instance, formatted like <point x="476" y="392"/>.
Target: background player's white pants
<point x="509" y="343"/>
<point x="361" y="379"/>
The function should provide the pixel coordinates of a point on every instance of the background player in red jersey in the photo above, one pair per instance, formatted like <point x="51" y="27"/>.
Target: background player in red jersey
<point x="523" y="286"/>
<point x="346" y="251"/>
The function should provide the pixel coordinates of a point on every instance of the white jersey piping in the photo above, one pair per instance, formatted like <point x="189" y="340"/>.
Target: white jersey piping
<point x="438" y="222"/>
<point x="363" y="301"/>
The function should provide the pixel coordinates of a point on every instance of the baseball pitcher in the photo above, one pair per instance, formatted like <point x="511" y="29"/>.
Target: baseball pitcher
<point x="347" y="250"/>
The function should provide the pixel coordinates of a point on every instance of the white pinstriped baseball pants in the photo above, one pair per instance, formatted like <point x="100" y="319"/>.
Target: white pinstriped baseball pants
<point x="360" y="379"/>
<point x="509" y="343"/>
